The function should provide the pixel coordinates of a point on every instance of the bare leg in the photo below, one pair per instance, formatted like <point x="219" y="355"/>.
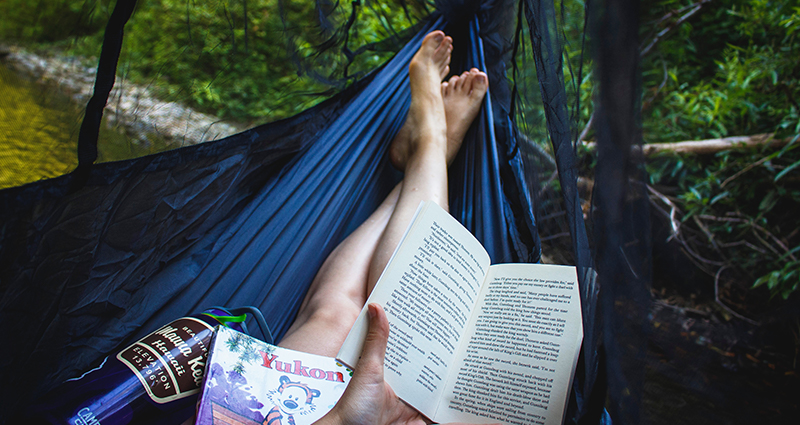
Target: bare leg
<point x="463" y="96"/>
<point x="426" y="172"/>
<point x="339" y="289"/>
<point x="342" y="285"/>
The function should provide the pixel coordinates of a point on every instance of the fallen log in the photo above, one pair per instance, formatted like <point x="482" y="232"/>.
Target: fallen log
<point x="709" y="146"/>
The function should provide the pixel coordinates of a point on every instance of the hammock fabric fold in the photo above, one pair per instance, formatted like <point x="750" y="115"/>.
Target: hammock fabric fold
<point x="90" y="263"/>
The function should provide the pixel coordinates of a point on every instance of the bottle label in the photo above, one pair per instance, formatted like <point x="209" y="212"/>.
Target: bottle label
<point x="170" y="362"/>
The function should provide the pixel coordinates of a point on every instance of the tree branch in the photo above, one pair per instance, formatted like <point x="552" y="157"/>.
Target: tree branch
<point x="663" y="33"/>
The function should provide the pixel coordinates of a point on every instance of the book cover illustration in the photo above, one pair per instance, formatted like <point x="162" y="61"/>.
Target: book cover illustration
<point x="248" y="381"/>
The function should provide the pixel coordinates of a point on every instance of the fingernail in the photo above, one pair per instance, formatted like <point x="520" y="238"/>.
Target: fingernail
<point x="372" y="311"/>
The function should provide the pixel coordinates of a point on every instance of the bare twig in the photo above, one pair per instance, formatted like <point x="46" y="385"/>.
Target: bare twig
<point x="670" y="14"/>
<point x="721" y="304"/>
<point x="649" y="102"/>
<point x="586" y="128"/>
<point x="709" y="236"/>
<point x="537" y="150"/>
<point x="745" y="243"/>
<point x="744" y="170"/>
<point x="755" y="226"/>
<point x="663" y="33"/>
<point x="763" y="242"/>
<point x="674" y="223"/>
<point x="675" y="226"/>
<point x="679" y="308"/>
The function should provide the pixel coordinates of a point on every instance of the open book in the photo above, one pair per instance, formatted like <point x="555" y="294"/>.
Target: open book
<point x="470" y="341"/>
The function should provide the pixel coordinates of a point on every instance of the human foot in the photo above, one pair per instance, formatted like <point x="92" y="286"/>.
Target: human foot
<point x="425" y="118"/>
<point x="462" y="96"/>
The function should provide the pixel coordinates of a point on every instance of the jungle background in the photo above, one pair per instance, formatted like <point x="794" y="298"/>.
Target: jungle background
<point x="725" y="327"/>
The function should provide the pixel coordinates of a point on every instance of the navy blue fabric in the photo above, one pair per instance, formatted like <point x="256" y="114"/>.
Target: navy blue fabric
<point x="246" y="220"/>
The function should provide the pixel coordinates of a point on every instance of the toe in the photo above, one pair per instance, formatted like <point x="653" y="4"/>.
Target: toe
<point x="453" y="82"/>
<point x="480" y="83"/>
<point x="443" y="48"/>
<point x="432" y="41"/>
<point x="463" y="82"/>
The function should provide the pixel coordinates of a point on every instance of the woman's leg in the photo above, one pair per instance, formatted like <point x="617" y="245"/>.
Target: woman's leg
<point x="342" y="285"/>
<point x="339" y="289"/>
<point x="426" y="172"/>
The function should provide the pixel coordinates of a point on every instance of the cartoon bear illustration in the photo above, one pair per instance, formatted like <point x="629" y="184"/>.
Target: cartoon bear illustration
<point x="290" y="398"/>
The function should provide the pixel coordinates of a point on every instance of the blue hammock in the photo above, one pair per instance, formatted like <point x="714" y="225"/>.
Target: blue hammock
<point x="95" y="259"/>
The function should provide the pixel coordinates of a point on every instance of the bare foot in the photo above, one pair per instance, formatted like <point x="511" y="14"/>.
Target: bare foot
<point x="462" y="96"/>
<point x="430" y="64"/>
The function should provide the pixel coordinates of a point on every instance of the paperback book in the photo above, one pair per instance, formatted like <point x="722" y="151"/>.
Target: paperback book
<point x="469" y="341"/>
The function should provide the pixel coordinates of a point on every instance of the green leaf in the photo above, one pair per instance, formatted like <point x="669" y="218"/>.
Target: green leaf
<point x="760" y="281"/>
<point x="773" y="281"/>
<point x="769" y="201"/>
<point x="722" y="195"/>
<point x="787" y="170"/>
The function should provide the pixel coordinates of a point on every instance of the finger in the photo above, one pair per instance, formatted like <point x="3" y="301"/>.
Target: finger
<point x="374" y="350"/>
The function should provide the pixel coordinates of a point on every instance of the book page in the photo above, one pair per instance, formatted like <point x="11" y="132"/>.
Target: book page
<point x="516" y="365"/>
<point x="428" y="290"/>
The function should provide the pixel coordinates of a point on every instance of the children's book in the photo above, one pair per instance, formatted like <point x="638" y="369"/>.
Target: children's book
<point x="250" y="382"/>
<point x="469" y="341"/>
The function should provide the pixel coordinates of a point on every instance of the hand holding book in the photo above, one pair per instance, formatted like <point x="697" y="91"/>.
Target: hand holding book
<point x="471" y="341"/>
<point x="368" y="399"/>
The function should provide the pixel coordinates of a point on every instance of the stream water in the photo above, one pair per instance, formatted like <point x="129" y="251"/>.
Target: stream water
<point x="39" y="133"/>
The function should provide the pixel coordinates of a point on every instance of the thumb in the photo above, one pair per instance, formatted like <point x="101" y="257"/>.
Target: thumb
<point x="374" y="350"/>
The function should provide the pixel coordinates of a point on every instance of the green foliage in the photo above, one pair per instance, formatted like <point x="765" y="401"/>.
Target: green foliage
<point x="729" y="70"/>
<point x="51" y="20"/>
<point x="226" y="57"/>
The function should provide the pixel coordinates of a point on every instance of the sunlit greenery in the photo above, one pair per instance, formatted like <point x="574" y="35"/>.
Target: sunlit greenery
<point x="226" y="57"/>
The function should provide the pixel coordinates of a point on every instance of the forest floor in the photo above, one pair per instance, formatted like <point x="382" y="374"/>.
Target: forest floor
<point x="702" y="368"/>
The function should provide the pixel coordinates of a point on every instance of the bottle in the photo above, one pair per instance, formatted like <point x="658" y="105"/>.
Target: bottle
<point x="156" y="380"/>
